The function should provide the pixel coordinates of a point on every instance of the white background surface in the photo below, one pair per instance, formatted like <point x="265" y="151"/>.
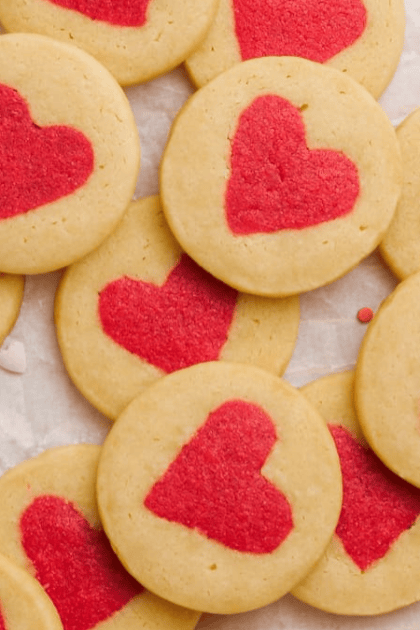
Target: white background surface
<point x="40" y="408"/>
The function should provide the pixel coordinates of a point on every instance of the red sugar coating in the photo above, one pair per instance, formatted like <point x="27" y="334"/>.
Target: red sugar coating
<point x="74" y="563"/>
<point x="117" y="12"/>
<point x="215" y="483"/>
<point x="378" y="506"/>
<point x="365" y="315"/>
<point x="38" y="165"/>
<point x="313" y="29"/>
<point x="276" y="182"/>
<point x="183" y="322"/>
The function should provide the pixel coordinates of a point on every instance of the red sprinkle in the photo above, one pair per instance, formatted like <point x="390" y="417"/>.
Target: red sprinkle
<point x="365" y="314"/>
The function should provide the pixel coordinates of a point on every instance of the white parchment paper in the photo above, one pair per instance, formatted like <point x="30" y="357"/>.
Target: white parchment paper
<point x="40" y="408"/>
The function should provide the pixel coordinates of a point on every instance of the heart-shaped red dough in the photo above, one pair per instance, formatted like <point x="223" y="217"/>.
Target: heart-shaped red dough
<point x="276" y="182"/>
<point x="74" y="563"/>
<point x="38" y="165"/>
<point x="183" y="322"/>
<point x="378" y="506"/>
<point x="2" y="623"/>
<point x="117" y="12"/>
<point x="215" y="483"/>
<point x="300" y="28"/>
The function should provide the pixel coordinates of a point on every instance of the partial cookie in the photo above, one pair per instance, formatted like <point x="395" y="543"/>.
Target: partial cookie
<point x="24" y="605"/>
<point x="11" y="296"/>
<point x="49" y="525"/>
<point x="378" y="532"/>
<point x="401" y="245"/>
<point x="136" y="40"/>
<point x="363" y="38"/>
<point x="68" y="165"/>
<point x="280" y="175"/>
<point x="138" y="308"/>
<point x="220" y="487"/>
<point x="387" y="387"/>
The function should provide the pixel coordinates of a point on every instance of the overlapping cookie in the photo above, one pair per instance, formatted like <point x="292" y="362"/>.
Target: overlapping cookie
<point x="363" y="38"/>
<point x="219" y="486"/>
<point x="50" y="526"/>
<point x="69" y="153"/>
<point x="388" y="381"/>
<point x="138" y="308"/>
<point x="11" y="296"/>
<point x="24" y="605"/>
<point x="401" y="245"/>
<point x="135" y="39"/>
<point x="270" y="178"/>
<point x="372" y="564"/>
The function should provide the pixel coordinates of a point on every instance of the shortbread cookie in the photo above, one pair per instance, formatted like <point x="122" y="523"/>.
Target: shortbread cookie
<point x="387" y="384"/>
<point x="135" y="39"/>
<point x="378" y="531"/>
<point x="49" y="525"/>
<point x="138" y="308"/>
<point x="24" y="605"/>
<point x="69" y="153"/>
<point x="270" y="178"/>
<point x="401" y="245"/>
<point x="363" y="38"/>
<point x="219" y="486"/>
<point x="11" y="296"/>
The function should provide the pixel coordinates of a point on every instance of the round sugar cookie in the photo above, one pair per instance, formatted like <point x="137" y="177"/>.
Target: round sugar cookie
<point x="11" y="296"/>
<point x="363" y="38"/>
<point x="138" y="308"/>
<point x="24" y="605"/>
<point x="50" y="526"/>
<point x="280" y="175"/>
<point x="387" y="387"/>
<point x="136" y="40"/>
<point x="69" y="153"/>
<point x="378" y="532"/>
<point x="219" y="487"/>
<point x="400" y="247"/>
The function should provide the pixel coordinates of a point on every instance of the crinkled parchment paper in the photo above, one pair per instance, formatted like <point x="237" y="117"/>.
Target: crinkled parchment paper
<point x="40" y="408"/>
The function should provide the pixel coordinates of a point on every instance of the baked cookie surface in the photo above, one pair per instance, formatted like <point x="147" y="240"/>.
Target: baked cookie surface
<point x="68" y="166"/>
<point x="363" y="38"/>
<point x="388" y="381"/>
<point x="225" y="483"/>
<point x="23" y="602"/>
<point x="50" y="526"/>
<point x="11" y="296"/>
<point x="283" y="194"/>
<point x="136" y="40"/>
<point x="372" y="563"/>
<point x="138" y="308"/>
<point x="401" y="245"/>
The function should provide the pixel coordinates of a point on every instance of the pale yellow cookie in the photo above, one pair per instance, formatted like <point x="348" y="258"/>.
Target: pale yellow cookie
<point x="219" y="487"/>
<point x="387" y="386"/>
<point x="70" y="153"/>
<point x="11" y="296"/>
<point x="136" y="40"/>
<point x="378" y="532"/>
<point x="280" y="175"/>
<point x="401" y="245"/>
<point x="368" y="50"/>
<point x="49" y="525"/>
<point x="24" y="605"/>
<point x="138" y="308"/>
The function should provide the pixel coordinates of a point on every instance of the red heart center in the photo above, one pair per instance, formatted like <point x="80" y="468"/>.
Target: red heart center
<point x="276" y="182"/>
<point x="119" y="13"/>
<point x="300" y="28"/>
<point x="377" y="504"/>
<point x="37" y="164"/>
<point x="215" y="483"/>
<point x="2" y="623"/>
<point x="183" y="322"/>
<point x="74" y="563"/>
